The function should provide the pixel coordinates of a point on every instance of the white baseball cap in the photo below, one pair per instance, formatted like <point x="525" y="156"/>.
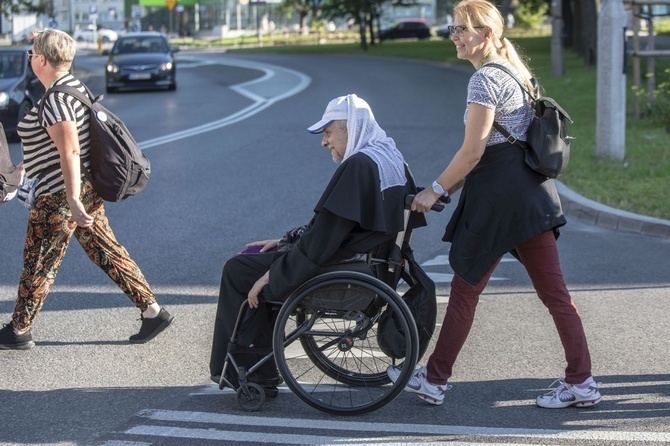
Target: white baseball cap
<point x="336" y="110"/>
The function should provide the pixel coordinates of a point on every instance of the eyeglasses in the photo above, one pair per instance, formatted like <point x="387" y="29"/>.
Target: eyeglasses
<point x="31" y="54"/>
<point x="458" y="30"/>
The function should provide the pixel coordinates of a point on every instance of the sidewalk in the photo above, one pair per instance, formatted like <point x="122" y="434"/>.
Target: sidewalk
<point x="582" y="209"/>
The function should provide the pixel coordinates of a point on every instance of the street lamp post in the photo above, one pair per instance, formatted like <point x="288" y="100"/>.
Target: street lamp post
<point x="611" y="81"/>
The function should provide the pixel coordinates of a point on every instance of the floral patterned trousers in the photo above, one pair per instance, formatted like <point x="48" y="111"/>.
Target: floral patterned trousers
<point x="46" y="242"/>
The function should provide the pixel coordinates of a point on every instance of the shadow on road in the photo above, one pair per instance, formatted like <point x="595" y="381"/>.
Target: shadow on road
<point x="77" y="416"/>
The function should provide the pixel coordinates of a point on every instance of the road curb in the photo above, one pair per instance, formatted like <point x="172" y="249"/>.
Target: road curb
<point x="581" y="208"/>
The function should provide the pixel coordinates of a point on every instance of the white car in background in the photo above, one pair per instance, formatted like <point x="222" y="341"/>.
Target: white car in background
<point x="87" y="34"/>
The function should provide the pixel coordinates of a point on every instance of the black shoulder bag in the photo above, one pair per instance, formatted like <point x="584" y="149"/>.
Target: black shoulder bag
<point x="547" y="145"/>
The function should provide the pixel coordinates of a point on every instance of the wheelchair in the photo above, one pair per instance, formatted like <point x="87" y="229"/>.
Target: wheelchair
<point x="326" y="341"/>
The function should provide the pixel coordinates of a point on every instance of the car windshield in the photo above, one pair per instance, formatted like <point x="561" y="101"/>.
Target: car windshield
<point x="130" y="45"/>
<point x="11" y="65"/>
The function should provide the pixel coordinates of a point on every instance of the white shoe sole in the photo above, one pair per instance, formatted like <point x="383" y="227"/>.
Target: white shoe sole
<point x="583" y="403"/>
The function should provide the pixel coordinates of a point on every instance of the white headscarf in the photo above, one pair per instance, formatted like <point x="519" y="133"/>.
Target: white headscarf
<point x="365" y="135"/>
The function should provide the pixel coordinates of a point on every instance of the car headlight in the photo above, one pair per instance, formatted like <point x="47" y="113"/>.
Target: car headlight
<point x="4" y="100"/>
<point x="166" y="66"/>
<point x="112" y="68"/>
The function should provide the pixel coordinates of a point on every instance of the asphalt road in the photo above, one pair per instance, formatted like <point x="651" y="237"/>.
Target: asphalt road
<point x="232" y="163"/>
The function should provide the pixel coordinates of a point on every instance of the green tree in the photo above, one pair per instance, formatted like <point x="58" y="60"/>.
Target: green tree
<point x="364" y="12"/>
<point x="580" y="21"/>
<point x="10" y="7"/>
<point x="529" y="15"/>
<point x="301" y="7"/>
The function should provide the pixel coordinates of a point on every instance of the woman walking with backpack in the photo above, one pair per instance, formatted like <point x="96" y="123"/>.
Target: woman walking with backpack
<point x="62" y="203"/>
<point x="504" y="207"/>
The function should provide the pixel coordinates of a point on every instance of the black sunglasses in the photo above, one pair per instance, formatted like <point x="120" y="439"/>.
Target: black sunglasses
<point x="31" y="54"/>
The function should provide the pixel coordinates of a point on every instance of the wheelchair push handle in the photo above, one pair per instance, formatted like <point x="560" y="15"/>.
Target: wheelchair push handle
<point x="443" y="199"/>
<point x="437" y="207"/>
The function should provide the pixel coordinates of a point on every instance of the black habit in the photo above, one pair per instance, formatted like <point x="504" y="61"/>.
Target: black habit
<point x="353" y="216"/>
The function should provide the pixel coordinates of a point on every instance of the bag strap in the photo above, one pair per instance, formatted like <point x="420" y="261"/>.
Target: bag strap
<point x="508" y="136"/>
<point x="82" y="97"/>
<point x="534" y="97"/>
<point x="72" y="91"/>
<point x="524" y="87"/>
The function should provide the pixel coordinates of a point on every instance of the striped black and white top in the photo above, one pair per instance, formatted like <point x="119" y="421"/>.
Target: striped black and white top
<point x="497" y="90"/>
<point x="40" y="155"/>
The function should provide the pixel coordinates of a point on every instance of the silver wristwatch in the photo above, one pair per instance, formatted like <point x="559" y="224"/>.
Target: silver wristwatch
<point x="438" y="189"/>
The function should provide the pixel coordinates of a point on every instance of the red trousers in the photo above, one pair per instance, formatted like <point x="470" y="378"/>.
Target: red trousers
<point x="540" y="258"/>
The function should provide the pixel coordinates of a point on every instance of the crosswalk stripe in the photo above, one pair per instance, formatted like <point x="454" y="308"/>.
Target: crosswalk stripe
<point x="124" y="443"/>
<point x="399" y="428"/>
<point x="213" y="389"/>
<point x="258" y="437"/>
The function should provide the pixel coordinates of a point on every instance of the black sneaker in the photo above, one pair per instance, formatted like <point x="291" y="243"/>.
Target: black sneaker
<point x="269" y="385"/>
<point x="152" y="327"/>
<point x="9" y="340"/>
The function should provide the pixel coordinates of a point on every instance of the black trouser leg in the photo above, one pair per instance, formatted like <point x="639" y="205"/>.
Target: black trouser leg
<point x="239" y="275"/>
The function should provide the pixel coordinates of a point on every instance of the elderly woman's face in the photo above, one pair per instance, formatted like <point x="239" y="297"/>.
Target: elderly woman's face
<point x="335" y="139"/>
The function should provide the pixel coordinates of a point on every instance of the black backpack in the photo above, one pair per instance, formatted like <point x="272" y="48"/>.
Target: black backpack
<point x="547" y="144"/>
<point x="118" y="169"/>
<point x="10" y="176"/>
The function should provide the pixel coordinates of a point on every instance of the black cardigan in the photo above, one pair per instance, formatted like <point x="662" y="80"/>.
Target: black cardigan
<point x="503" y="204"/>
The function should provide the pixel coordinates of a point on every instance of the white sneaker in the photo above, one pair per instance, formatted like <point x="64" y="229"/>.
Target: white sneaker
<point x="431" y="393"/>
<point x="566" y="395"/>
<point x="393" y="372"/>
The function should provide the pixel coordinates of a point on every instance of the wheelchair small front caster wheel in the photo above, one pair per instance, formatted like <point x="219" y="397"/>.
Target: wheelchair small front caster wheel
<point x="250" y="397"/>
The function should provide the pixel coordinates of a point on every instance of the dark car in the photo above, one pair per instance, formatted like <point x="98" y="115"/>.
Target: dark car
<point x="20" y="89"/>
<point x="443" y="31"/>
<point x="407" y="29"/>
<point x="141" y="60"/>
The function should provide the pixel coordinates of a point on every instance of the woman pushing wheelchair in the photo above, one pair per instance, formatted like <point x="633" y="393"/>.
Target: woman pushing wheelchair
<point x="361" y="208"/>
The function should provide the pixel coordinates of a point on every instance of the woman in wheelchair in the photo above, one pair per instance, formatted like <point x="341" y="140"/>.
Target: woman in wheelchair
<point x="361" y="208"/>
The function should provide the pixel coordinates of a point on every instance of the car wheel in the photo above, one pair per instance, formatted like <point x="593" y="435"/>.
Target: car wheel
<point x="110" y="90"/>
<point x="80" y="39"/>
<point x="105" y="39"/>
<point x="172" y="87"/>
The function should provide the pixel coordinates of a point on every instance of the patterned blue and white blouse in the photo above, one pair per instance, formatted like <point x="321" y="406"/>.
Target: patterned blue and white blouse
<point x="495" y="89"/>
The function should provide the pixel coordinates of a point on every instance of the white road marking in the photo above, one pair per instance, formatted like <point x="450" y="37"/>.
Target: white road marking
<point x="124" y="443"/>
<point x="354" y="426"/>
<point x="292" y="438"/>
<point x="213" y="389"/>
<point x="173" y="290"/>
<point x="443" y="259"/>
<point x="285" y="83"/>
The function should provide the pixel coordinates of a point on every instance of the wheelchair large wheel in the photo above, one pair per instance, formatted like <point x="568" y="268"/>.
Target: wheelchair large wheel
<point x="326" y="347"/>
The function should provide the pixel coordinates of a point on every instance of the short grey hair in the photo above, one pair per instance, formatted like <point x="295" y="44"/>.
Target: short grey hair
<point x="342" y="124"/>
<point x="56" y="46"/>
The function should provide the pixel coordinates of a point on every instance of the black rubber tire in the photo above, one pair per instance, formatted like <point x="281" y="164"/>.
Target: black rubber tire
<point x="337" y="366"/>
<point x="253" y="400"/>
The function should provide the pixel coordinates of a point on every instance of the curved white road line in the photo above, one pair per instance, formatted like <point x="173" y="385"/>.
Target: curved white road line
<point x="247" y="89"/>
